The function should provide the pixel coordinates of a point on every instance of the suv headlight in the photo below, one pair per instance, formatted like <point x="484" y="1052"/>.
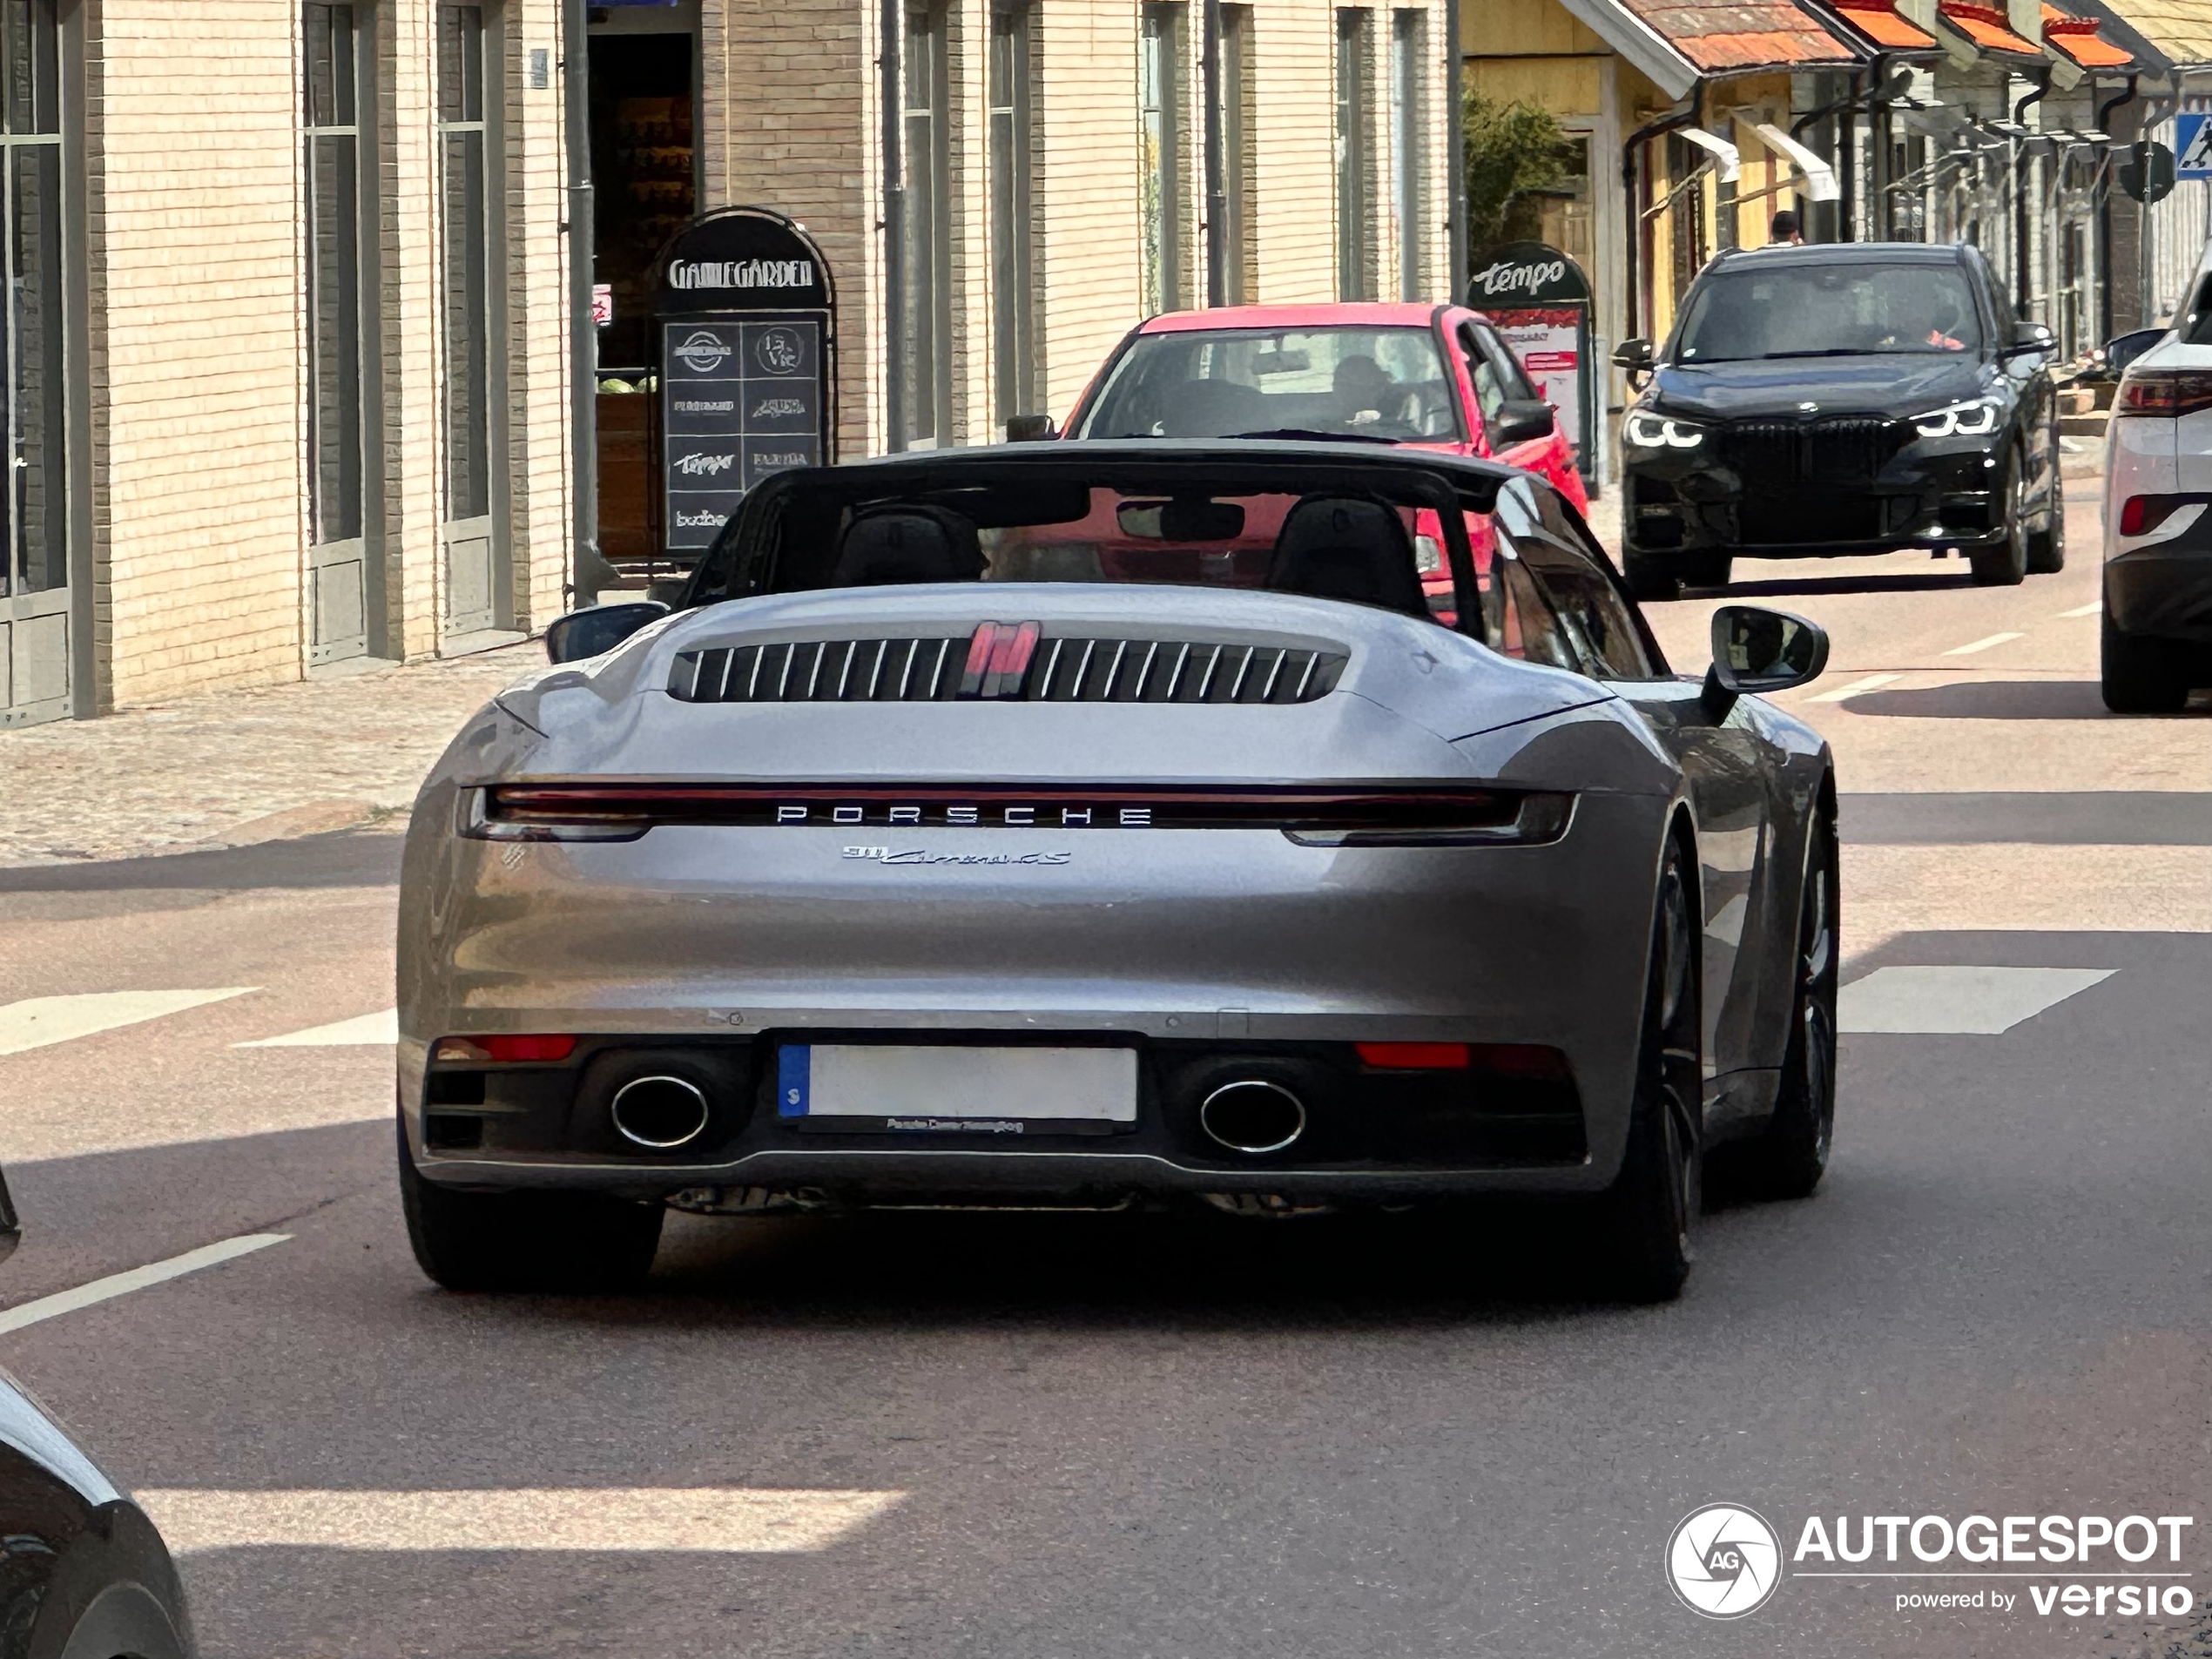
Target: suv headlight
<point x="1648" y="431"/>
<point x="1976" y="418"/>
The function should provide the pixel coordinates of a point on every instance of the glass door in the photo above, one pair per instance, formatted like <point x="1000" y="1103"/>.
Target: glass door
<point x="37" y="668"/>
<point x="476" y="599"/>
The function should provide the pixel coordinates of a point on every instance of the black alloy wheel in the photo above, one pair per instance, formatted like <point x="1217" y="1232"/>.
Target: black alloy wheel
<point x="2005" y="565"/>
<point x="1650" y="577"/>
<point x="1789" y="1161"/>
<point x="2139" y="676"/>
<point x="1653" y="1206"/>
<point x="2046" y="546"/>
<point x="573" y="1242"/>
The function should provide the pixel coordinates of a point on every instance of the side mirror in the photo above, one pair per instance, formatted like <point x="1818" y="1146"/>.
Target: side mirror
<point x="1757" y="650"/>
<point x="10" y="1229"/>
<point x="2031" y="337"/>
<point x="1633" y="356"/>
<point x="1030" y="428"/>
<point x="588" y="633"/>
<point x="1520" y="420"/>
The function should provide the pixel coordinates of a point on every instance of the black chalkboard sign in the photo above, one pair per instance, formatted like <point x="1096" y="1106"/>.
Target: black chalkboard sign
<point x="747" y="320"/>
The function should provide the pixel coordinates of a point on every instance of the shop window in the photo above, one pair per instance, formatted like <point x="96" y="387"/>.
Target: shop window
<point x="34" y="554"/>
<point x="642" y="173"/>
<point x="923" y="351"/>
<point x="1240" y="253"/>
<point x="464" y="158"/>
<point x="1354" y="145"/>
<point x="1161" y="76"/>
<point x="1408" y="160"/>
<point x="1013" y="152"/>
<point x="332" y="139"/>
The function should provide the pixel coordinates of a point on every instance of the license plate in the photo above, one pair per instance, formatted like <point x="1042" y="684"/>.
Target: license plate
<point x="917" y="1086"/>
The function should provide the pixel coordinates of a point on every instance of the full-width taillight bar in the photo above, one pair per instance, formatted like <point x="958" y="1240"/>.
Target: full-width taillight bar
<point x="1379" y="816"/>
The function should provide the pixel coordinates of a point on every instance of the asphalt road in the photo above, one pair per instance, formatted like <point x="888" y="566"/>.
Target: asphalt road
<point x="1060" y="1435"/>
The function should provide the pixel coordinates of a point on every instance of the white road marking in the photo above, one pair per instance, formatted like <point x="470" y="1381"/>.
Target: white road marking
<point x="1957" y="1002"/>
<point x="138" y="1278"/>
<point x="362" y="1028"/>
<point x="1870" y="683"/>
<point x="38" y="1021"/>
<point x="717" y="1520"/>
<point x="2089" y="610"/>
<point x="1983" y="643"/>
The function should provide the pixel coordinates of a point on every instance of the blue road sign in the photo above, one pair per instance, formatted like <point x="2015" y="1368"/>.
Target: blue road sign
<point x="2193" y="146"/>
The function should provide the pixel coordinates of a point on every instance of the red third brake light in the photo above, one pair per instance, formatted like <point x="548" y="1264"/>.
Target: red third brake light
<point x="1415" y="1056"/>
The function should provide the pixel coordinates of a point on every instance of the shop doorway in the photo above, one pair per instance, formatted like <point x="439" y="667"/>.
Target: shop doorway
<point x="643" y="168"/>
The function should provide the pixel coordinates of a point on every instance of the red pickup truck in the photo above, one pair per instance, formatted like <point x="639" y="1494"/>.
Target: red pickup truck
<point x="1435" y="377"/>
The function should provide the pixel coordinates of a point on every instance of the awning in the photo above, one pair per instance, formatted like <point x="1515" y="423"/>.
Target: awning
<point x="1723" y="152"/>
<point x="1878" y="20"/>
<point x="1820" y="177"/>
<point x="1987" y="27"/>
<point x="2077" y="40"/>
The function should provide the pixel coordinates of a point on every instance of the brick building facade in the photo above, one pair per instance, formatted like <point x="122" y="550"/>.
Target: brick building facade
<point x="286" y="387"/>
<point x="288" y="381"/>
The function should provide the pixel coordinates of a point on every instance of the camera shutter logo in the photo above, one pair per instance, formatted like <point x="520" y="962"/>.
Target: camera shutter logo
<point x="704" y="351"/>
<point x="1723" y="1561"/>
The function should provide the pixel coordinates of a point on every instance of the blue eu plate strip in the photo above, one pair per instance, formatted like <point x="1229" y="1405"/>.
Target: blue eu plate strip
<point x="793" y="1063"/>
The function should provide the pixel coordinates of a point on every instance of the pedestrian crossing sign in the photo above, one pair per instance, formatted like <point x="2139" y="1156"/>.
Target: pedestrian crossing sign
<point x="2193" y="146"/>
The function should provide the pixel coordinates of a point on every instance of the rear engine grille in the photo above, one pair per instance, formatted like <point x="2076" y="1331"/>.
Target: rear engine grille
<point x="982" y="666"/>
<point x="1847" y="450"/>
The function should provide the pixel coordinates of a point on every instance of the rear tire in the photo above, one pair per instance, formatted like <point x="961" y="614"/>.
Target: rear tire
<point x="2141" y="675"/>
<point x="1789" y="1159"/>
<point x="558" y="1242"/>
<point x="2005" y="565"/>
<point x="1649" y="577"/>
<point x="2046" y="546"/>
<point x="1651" y="1211"/>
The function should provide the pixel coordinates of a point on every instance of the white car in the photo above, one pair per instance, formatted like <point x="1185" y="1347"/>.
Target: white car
<point x="2158" y="533"/>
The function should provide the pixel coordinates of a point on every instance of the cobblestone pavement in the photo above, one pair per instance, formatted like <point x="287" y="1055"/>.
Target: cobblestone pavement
<point x="239" y="766"/>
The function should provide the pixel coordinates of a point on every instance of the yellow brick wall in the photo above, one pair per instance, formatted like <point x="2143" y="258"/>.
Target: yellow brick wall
<point x="196" y="286"/>
<point x="787" y="120"/>
<point x="1092" y="234"/>
<point x="413" y="353"/>
<point x="196" y="270"/>
<point x="537" y="310"/>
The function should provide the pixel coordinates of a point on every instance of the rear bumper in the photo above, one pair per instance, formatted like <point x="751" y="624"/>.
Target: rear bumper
<point x="2164" y="590"/>
<point x="1213" y="953"/>
<point x="1366" y="1132"/>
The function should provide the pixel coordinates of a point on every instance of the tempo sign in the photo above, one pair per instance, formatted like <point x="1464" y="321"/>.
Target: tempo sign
<point x="746" y="316"/>
<point x="1541" y="301"/>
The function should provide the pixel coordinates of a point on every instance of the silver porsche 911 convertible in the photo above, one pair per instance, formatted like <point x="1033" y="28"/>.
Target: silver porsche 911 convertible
<point x="1100" y="824"/>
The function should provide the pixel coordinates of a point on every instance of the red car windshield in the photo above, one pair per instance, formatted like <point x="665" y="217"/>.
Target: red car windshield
<point x="1335" y="382"/>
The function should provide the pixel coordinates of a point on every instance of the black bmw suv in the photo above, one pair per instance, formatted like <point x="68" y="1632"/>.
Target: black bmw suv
<point x="1857" y="397"/>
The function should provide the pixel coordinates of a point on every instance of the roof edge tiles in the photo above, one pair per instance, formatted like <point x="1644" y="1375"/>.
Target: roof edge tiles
<point x="1878" y="21"/>
<point x="1986" y="26"/>
<point x="2077" y="38"/>
<point x="1743" y="37"/>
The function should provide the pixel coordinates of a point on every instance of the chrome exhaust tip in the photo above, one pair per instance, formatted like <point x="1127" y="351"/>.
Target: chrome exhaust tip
<point x="659" y="1113"/>
<point x="1253" y="1116"/>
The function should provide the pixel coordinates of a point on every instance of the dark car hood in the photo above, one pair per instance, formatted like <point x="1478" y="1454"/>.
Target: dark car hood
<point x="1896" y="385"/>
